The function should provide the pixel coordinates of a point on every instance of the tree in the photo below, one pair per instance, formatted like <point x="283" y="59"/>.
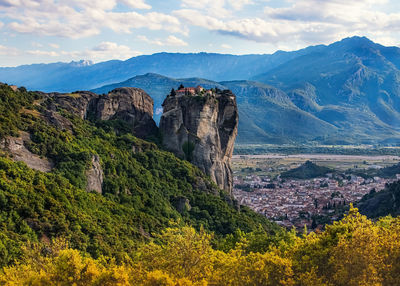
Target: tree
<point x="173" y="93"/>
<point x="313" y="223"/>
<point x="181" y="87"/>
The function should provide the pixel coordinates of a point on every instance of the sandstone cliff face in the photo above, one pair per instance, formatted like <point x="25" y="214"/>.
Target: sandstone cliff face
<point x="95" y="176"/>
<point x="203" y="129"/>
<point x="16" y="148"/>
<point x="129" y="104"/>
<point x="78" y="103"/>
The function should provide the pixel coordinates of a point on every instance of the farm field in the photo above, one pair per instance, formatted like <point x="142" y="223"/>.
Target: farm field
<point x="272" y="165"/>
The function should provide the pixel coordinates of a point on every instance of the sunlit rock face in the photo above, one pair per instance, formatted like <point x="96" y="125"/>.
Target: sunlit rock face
<point x="202" y="129"/>
<point x="129" y="104"/>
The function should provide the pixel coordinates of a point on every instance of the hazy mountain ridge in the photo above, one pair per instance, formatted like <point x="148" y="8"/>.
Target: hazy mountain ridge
<point x="344" y="93"/>
<point x="353" y="76"/>
<point x="267" y="113"/>
<point x="66" y="77"/>
<point x="270" y="115"/>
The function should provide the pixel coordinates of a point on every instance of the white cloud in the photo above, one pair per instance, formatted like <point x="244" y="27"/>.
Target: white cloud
<point x="249" y="28"/>
<point x="137" y="4"/>
<point x="36" y="45"/>
<point x="303" y="22"/>
<point x="169" y="41"/>
<point x="340" y="18"/>
<point x="124" y="22"/>
<point x="104" y="51"/>
<point x="149" y="41"/>
<point x="174" y="41"/>
<point x="9" y="51"/>
<point x="238" y="4"/>
<point x="210" y="7"/>
<point x="8" y="3"/>
<point x="54" y="46"/>
<point x="107" y="4"/>
<point x="217" y="8"/>
<point x="330" y="11"/>
<point x="42" y="53"/>
<point x="386" y="40"/>
<point x="296" y="23"/>
<point x="159" y="110"/>
<point x="83" y="18"/>
<point x="226" y="46"/>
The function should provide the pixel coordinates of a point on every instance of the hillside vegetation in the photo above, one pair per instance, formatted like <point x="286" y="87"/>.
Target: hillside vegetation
<point x="308" y="170"/>
<point x="382" y="203"/>
<point x="142" y="190"/>
<point x="352" y="252"/>
<point x="138" y="232"/>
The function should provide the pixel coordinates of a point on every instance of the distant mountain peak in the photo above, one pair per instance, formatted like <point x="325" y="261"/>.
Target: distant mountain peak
<point x="355" y="41"/>
<point x="150" y="74"/>
<point x="81" y="63"/>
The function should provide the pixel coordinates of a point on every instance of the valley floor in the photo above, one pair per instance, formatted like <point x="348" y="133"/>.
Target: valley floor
<point x="311" y="202"/>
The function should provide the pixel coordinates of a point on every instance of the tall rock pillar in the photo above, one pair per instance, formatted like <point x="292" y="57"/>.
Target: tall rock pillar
<point x="202" y="129"/>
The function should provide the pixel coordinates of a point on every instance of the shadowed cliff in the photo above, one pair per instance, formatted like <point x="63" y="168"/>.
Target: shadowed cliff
<point x="202" y="128"/>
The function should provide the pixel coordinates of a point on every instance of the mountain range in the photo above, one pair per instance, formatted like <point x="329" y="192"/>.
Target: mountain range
<point x="344" y="93"/>
<point x="83" y="75"/>
<point x="266" y="113"/>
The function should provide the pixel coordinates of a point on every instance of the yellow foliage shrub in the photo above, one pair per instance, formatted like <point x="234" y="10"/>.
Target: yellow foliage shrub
<point x="353" y="251"/>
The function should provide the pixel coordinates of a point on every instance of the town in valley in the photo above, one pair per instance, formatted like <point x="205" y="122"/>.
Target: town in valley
<point x="293" y="202"/>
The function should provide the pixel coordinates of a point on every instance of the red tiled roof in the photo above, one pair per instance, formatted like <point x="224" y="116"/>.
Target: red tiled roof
<point x="186" y="89"/>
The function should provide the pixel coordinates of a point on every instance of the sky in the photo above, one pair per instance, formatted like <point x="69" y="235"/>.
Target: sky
<point x="43" y="31"/>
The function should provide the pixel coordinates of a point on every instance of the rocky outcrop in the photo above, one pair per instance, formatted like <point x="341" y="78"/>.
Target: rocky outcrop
<point x="80" y="103"/>
<point x="94" y="176"/>
<point x="15" y="146"/>
<point x="128" y="104"/>
<point x="56" y="119"/>
<point x="202" y="129"/>
<point x="181" y="204"/>
<point x="131" y="105"/>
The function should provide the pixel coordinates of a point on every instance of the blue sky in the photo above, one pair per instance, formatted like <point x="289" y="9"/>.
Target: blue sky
<point x="42" y="31"/>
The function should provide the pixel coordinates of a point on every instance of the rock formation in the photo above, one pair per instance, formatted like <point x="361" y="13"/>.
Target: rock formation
<point x="56" y="119"/>
<point x="129" y="104"/>
<point x="202" y="128"/>
<point x="79" y="103"/>
<point x="15" y="146"/>
<point x="94" y="176"/>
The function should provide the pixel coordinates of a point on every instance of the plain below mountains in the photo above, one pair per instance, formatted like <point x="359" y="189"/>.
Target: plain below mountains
<point x="344" y="93"/>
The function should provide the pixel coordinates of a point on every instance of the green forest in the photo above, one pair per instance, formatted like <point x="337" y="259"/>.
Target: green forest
<point x="141" y="189"/>
<point x="138" y="232"/>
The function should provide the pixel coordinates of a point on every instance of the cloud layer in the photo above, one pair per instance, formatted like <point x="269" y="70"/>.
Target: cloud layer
<point x="82" y="18"/>
<point x="169" y="41"/>
<point x="302" y="20"/>
<point x="307" y="21"/>
<point x="125" y="28"/>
